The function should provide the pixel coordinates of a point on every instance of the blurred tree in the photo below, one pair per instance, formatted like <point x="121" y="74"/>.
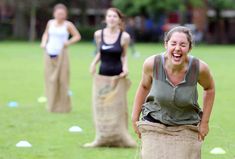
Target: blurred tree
<point x="218" y="6"/>
<point x="23" y="10"/>
<point x="134" y="7"/>
<point x="153" y="7"/>
<point x="83" y="6"/>
<point x="32" y="28"/>
<point x="19" y="23"/>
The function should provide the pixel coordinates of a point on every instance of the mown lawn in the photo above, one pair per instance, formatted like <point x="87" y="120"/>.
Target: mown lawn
<point x="21" y="80"/>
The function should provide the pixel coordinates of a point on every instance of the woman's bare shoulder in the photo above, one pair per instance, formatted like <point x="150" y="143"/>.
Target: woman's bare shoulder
<point x="97" y="33"/>
<point x="148" y="64"/>
<point x="203" y="66"/>
<point x="125" y="35"/>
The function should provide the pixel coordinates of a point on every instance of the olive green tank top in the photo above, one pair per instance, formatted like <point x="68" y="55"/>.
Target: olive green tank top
<point x="169" y="104"/>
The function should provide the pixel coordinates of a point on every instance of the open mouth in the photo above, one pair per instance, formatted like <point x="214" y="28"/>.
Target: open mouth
<point x="176" y="57"/>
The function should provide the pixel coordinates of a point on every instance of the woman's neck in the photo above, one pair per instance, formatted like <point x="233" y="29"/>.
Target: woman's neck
<point x="113" y="30"/>
<point x="175" y="68"/>
<point x="59" y="22"/>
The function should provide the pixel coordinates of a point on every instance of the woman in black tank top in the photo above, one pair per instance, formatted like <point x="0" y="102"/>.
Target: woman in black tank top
<point x="112" y="42"/>
<point x="110" y="86"/>
<point x="110" y="57"/>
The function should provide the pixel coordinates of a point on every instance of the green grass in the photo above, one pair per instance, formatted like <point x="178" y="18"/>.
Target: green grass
<point x="21" y="80"/>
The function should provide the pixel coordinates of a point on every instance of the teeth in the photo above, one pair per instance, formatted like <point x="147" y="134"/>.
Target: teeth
<point x="176" y="55"/>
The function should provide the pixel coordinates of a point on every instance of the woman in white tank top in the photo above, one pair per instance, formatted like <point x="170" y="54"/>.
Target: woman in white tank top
<point x="55" y="41"/>
<point x="57" y="37"/>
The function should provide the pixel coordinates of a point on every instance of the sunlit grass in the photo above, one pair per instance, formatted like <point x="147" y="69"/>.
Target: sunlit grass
<point x="21" y="80"/>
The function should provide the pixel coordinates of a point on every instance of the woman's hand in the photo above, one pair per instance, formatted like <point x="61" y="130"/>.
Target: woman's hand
<point x="203" y="131"/>
<point x="124" y="73"/>
<point x="134" y="124"/>
<point x="66" y="44"/>
<point x="43" y="46"/>
<point x="92" y="69"/>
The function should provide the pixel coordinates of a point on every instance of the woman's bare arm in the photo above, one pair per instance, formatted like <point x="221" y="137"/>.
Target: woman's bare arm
<point x="142" y="91"/>
<point x="207" y="82"/>
<point x="125" y="44"/>
<point x="97" y="37"/>
<point x="45" y="37"/>
<point x="75" y="34"/>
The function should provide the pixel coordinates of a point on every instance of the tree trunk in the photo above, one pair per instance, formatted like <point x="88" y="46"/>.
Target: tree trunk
<point x="83" y="5"/>
<point x="20" y="26"/>
<point x="200" y="18"/>
<point x="32" y="32"/>
<point x="220" y="29"/>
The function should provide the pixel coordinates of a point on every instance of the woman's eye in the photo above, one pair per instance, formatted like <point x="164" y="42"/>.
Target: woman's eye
<point x="183" y="45"/>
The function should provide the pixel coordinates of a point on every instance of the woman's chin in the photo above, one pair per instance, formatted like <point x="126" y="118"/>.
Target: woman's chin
<point x="176" y="62"/>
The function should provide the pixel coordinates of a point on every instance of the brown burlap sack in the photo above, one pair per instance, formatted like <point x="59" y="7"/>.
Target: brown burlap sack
<point x="173" y="142"/>
<point x="57" y="83"/>
<point x="110" y="112"/>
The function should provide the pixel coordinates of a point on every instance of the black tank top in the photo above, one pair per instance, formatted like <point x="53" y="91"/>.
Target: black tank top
<point x="110" y="57"/>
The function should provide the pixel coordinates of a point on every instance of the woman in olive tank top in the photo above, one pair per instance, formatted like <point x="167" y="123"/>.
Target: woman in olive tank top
<point x="172" y="123"/>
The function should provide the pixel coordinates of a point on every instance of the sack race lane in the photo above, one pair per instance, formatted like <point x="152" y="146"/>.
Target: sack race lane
<point x="110" y="112"/>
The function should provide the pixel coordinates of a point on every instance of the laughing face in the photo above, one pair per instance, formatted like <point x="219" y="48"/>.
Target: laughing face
<point x="177" y="48"/>
<point x="112" y="19"/>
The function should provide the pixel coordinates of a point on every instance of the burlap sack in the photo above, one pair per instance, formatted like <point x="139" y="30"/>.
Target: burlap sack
<point x="174" y="142"/>
<point x="57" y="83"/>
<point x="110" y="112"/>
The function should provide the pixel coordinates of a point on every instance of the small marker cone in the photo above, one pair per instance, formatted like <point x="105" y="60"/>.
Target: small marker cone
<point x="23" y="143"/>
<point x="75" y="129"/>
<point x="217" y="151"/>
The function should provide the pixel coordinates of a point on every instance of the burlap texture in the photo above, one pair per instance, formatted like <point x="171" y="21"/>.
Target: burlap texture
<point x="57" y="83"/>
<point x="110" y="112"/>
<point x="173" y="142"/>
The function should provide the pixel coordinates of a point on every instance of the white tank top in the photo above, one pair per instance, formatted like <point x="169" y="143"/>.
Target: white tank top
<point x="57" y="36"/>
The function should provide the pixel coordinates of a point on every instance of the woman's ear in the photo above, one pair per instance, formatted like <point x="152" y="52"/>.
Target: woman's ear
<point x="190" y="48"/>
<point x="165" y="45"/>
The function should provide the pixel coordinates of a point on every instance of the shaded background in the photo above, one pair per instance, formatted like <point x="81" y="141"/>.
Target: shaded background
<point x="212" y="21"/>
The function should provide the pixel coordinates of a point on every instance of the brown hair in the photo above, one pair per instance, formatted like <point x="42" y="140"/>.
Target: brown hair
<point x="180" y="29"/>
<point x="60" y="6"/>
<point x="120" y="15"/>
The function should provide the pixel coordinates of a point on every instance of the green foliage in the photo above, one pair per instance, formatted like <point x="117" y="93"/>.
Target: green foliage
<point x="5" y="30"/>
<point x="197" y="3"/>
<point x="222" y="4"/>
<point x="133" y="7"/>
<point x="87" y="33"/>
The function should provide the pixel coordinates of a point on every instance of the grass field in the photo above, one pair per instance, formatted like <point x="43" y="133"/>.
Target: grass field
<point x="21" y="80"/>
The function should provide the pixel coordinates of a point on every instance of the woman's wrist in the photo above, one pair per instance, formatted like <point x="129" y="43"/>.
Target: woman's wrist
<point x="92" y="64"/>
<point x="66" y="44"/>
<point x="204" y="122"/>
<point x="125" y="69"/>
<point x="135" y="118"/>
<point x="43" y="45"/>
